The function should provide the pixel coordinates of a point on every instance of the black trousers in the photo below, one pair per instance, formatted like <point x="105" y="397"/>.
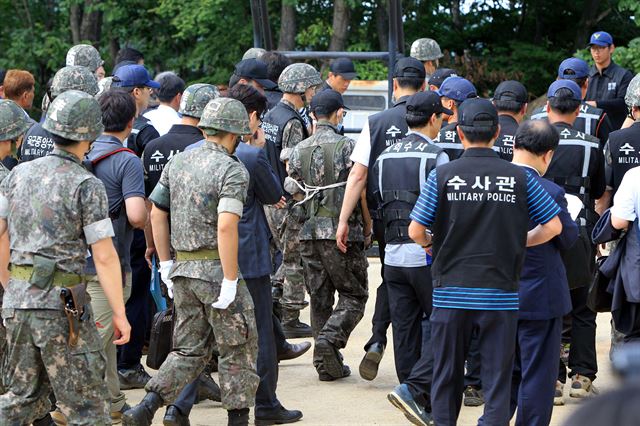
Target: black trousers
<point x="582" y="355"/>
<point x="451" y="331"/>
<point x="138" y="305"/>
<point x="381" y="316"/>
<point x="472" y="374"/>
<point x="410" y="294"/>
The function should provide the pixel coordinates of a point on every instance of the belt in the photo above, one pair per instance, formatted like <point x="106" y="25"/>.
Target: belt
<point x="204" y="254"/>
<point x="60" y="279"/>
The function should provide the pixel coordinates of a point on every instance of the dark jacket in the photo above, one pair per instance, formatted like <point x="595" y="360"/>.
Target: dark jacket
<point x="608" y="90"/>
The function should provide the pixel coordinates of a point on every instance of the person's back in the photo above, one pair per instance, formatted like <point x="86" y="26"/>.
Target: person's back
<point x="510" y="98"/>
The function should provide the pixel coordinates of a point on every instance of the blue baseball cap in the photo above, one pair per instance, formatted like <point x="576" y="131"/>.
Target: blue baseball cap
<point x="457" y="88"/>
<point x="579" y="67"/>
<point x="565" y="84"/>
<point x="133" y="76"/>
<point x="601" y="38"/>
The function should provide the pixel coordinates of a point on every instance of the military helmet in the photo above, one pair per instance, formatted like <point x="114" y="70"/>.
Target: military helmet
<point x="74" y="78"/>
<point x="13" y="120"/>
<point x="104" y="85"/>
<point x="254" y="52"/>
<point x="84" y="55"/>
<point x="297" y="78"/>
<point x="74" y="115"/>
<point x="196" y="97"/>
<point x="226" y="114"/>
<point x="426" y="49"/>
<point x="632" y="98"/>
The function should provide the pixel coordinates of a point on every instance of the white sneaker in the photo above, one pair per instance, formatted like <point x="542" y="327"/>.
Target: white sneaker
<point x="581" y="387"/>
<point x="558" y="398"/>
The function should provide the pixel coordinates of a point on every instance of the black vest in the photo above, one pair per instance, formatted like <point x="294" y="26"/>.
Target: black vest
<point x="624" y="148"/>
<point x="588" y="121"/>
<point x="37" y="143"/>
<point x="507" y="136"/>
<point x="481" y="224"/>
<point x="385" y="129"/>
<point x="134" y="142"/>
<point x="401" y="171"/>
<point x="448" y="140"/>
<point x="273" y="125"/>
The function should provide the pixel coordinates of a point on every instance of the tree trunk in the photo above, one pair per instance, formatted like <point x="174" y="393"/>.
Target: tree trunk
<point x="589" y="19"/>
<point x="75" y="21"/>
<point x="287" y="39"/>
<point x="341" y="14"/>
<point x="382" y="25"/>
<point x="455" y="15"/>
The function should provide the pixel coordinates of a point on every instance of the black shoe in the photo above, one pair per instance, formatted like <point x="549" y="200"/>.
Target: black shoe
<point x="208" y="389"/>
<point x="295" y="329"/>
<point x="173" y="417"/>
<point x="294" y="351"/>
<point x="47" y="421"/>
<point x="325" y="377"/>
<point x="238" y="417"/>
<point x="473" y="397"/>
<point x="134" y="378"/>
<point x="331" y="361"/>
<point x="371" y="361"/>
<point x="280" y="417"/>
<point x="142" y="414"/>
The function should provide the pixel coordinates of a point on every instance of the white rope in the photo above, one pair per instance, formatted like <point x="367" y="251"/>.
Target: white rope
<point x="310" y="191"/>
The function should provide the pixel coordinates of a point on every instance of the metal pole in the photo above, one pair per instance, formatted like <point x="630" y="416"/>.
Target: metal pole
<point x="294" y="54"/>
<point x="393" y="46"/>
<point x="266" y="28"/>
<point x="400" y="27"/>
<point x="257" y="30"/>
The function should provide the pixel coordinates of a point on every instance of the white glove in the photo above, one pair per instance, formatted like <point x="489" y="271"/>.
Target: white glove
<point x="165" y="268"/>
<point x="227" y="294"/>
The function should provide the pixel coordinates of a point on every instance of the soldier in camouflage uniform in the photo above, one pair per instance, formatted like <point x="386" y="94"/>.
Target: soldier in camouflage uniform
<point x="208" y="296"/>
<point x="54" y="209"/>
<point x="427" y="51"/>
<point x="323" y="161"/>
<point x="85" y="55"/>
<point x="284" y="128"/>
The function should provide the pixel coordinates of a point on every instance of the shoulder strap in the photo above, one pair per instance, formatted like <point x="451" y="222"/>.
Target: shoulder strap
<point x="110" y="153"/>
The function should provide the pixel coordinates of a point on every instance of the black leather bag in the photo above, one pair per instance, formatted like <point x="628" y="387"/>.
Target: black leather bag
<point x="161" y="340"/>
<point x="598" y="299"/>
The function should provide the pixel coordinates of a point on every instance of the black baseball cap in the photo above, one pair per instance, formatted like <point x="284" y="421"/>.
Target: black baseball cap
<point x="440" y="75"/>
<point x="344" y="68"/>
<point x="425" y="104"/>
<point x="477" y="113"/>
<point x="511" y="90"/>
<point x="326" y="102"/>
<point x="409" y="67"/>
<point x="254" y="69"/>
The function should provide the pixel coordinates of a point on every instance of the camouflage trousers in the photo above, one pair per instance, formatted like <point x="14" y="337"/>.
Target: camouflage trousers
<point x="3" y="340"/>
<point x="38" y="360"/>
<point x="196" y="324"/>
<point x="328" y="270"/>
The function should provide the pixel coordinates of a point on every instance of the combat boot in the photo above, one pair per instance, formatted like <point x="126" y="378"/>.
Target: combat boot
<point x="142" y="414"/>
<point x="174" y="417"/>
<point x="208" y="389"/>
<point x="238" y="417"/>
<point x="45" y="421"/>
<point x="292" y="327"/>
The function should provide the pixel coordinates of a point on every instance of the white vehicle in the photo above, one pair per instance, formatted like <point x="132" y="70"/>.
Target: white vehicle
<point x="363" y="98"/>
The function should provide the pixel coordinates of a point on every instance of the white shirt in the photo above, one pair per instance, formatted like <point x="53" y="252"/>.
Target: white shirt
<point x="162" y="118"/>
<point x="626" y="202"/>
<point x="362" y="151"/>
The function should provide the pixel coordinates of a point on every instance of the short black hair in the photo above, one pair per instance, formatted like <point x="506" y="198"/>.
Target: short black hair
<point x="129" y="54"/>
<point x="170" y="86"/>
<point x="414" y="120"/>
<point x="537" y="136"/>
<point x="250" y="97"/>
<point x="508" y="105"/>
<point x="563" y="102"/>
<point x="410" y="82"/>
<point x="276" y="63"/>
<point x="118" y="109"/>
<point x="59" y="140"/>
<point x="479" y="135"/>
<point x="579" y="81"/>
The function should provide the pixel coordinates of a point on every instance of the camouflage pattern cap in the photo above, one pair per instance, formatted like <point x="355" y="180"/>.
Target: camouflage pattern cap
<point x="74" y="115"/>
<point x="74" y="78"/>
<point x="226" y="114"/>
<point x="196" y="97"/>
<point x="632" y="98"/>
<point x="296" y="78"/>
<point x="13" y="120"/>
<point x="84" y="55"/>
<point x="104" y="85"/>
<point x="254" y="52"/>
<point x="425" y="49"/>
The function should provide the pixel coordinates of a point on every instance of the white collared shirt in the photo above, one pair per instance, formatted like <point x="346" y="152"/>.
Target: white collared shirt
<point x="162" y="118"/>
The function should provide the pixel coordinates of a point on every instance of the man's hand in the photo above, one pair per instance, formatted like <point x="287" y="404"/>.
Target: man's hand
<point x="342" y="236"/>
<point x="368" y="240"/>
<point x="227" y="294"/>
<point x="165" y="269"/>
<point x="148" y="255"/>
<point x="257" y="139"/>
<point x="592" y="103"/>
<point x="121" y="329"/>
<point x="281" y="204"/>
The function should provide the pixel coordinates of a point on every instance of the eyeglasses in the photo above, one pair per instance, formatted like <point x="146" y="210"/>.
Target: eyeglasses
<point x="344" y="113"/>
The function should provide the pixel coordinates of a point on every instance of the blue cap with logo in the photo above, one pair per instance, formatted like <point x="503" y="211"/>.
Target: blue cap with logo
<point x="601" y="38"/>
<point x="457" y="88"/>
<point x="565" y="84"/>
<point x="133" y="76"/>
<point x="573" y="68"/>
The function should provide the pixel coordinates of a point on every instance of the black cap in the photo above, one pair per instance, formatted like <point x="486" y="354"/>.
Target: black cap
<point x="511" y="90"/>
<point x="425" y="104"/>
<point x="254" y="69"/>
<point x="477" y="113"/>
<point x="344" y="68"/>
<point x="440" y="75"/>
<point x="327" y="102"/>
<point x="409" y="67"/>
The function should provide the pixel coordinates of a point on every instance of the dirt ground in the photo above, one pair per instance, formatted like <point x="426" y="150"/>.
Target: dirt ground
<point x="354" y="401"/>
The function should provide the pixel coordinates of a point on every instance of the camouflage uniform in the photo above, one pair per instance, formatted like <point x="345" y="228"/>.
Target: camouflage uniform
<point x="84" y="55"/>
<point x="217" y="183"/>
<point x="54" y="209"/>
<point x="326" y="268"/>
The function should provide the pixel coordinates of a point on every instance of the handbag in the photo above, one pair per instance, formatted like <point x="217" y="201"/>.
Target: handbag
<point x="161" y="341"/>
<point x="598" y="298"/>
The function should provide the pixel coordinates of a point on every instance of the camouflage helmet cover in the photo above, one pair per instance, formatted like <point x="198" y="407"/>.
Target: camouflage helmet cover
<point x="74" y="115"/>
<point x="254" y="52"/>
<point x="84" y="55"/>
<point x="226" y="114"/>
<point x="632" y="98"/>
<point x="74" y="78"/>
<point x="13" y="120"/>
<point x="104" y="85"/>
<point x="196" y="97"/>
<point x="297" y="78"/>
<point x="426" y="49"/>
